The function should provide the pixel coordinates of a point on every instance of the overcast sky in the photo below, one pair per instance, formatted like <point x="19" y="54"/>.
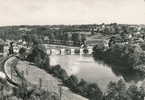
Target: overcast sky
<point x="43" y="12"/>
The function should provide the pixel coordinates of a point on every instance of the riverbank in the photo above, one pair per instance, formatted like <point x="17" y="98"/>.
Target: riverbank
<point x="85" y="67"/>
<point x="33" y="74"/>
<point x="125" y="56"/>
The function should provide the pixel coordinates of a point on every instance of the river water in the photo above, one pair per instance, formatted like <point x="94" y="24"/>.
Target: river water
<point x="85" y="67"/>
<point x="95" y="71"/>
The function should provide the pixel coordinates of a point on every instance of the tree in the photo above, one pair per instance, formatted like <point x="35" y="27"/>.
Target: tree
<point x="134" y="54"/>
<point x="66" y="37"/>
<point x="39" y="55"/>
<point x="72" y="82"/>
<point x="83" y="38"/>
<point x="27" y="37"/>
<point x="82" y="88"/>
<point x="51" y="36"/>
<point x="135" y="93"/>
<point x="22" y="52"/>
<point x="94" y="92"/>
<point x="76" y="39"/>
<point x="116" y="91"/>
<point x="11" y="50"/>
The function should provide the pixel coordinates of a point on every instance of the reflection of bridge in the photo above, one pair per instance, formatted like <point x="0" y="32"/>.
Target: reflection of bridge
<point x="67" y="50"/>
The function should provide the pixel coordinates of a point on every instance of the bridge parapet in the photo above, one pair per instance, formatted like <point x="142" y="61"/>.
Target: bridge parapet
<point x="69" y="51"/>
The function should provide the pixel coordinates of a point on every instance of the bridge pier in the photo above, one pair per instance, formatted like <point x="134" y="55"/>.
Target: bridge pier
<point x="49" y="51"/>
<point x="90" y="51"/>
<point x="62" y="51"/>
<point x="55" y="51"/>
<point x="81" y="51"/>
<point x="69" y="51"/>
<point x="72" y="51"/>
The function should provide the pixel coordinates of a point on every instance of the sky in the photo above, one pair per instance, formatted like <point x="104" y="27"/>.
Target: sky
<point x="49" y="12"/>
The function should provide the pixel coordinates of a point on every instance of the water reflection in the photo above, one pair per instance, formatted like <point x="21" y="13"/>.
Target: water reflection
<point x="85" y="67"/>
<point x="94" y="70"/>
<point x="128" y="74"/>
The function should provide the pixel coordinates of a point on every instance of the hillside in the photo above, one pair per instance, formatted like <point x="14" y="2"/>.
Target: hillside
<point x="33" y="75"/>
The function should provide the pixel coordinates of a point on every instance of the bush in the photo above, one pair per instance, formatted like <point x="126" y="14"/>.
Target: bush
<point x="94" y="93"/>
<point x="82" y="88"/>
<point x="72" y="82"/>
<point x="59" y="72"/>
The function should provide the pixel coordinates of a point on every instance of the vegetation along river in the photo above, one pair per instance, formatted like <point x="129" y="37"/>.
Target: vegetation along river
<point x="95" y="71"/>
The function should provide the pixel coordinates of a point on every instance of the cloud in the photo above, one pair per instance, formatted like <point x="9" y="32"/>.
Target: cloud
<point x="15" y="12"/>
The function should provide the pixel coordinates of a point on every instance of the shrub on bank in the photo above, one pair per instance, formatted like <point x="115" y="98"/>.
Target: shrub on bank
<point x="59" y="72"/>
<point x="94" y="93"/>
<point x="72" y="82"/>
<point x="89" y="90"/>
<point x="81" y="87"/>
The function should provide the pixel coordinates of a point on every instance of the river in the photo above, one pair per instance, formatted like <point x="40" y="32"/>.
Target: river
<point x="95" y="71"/>
<point x="85" y="67"/>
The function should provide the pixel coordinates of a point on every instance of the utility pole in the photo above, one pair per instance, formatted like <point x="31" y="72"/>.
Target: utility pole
<point x="40" y="83"/>
<point x="60" y="91"/>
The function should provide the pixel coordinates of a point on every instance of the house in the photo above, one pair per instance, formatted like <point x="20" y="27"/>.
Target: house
<point x="46" y="39"/>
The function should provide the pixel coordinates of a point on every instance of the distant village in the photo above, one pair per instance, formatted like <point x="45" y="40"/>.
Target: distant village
<point x="71" y="35"/>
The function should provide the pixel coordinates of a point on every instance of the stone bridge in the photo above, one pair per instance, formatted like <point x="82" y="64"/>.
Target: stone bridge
<point x="67" y="50"/>
<point x="59" y="50"/>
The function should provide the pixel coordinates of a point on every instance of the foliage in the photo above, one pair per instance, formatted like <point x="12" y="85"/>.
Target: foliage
<point x="119" y="91"/>
<point x="72" y="82"/>
<point x="116" y="91"/>
<point x="86" y="89"/>
<point x="59" y="72"/>
<point x="39" y="56"/>
<point x="81" y="87"/>
<point x="127" y="55"/>
<point x="135" y="93"/>
<point x="22" y="53"/>
<point x="23" y="93"/>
